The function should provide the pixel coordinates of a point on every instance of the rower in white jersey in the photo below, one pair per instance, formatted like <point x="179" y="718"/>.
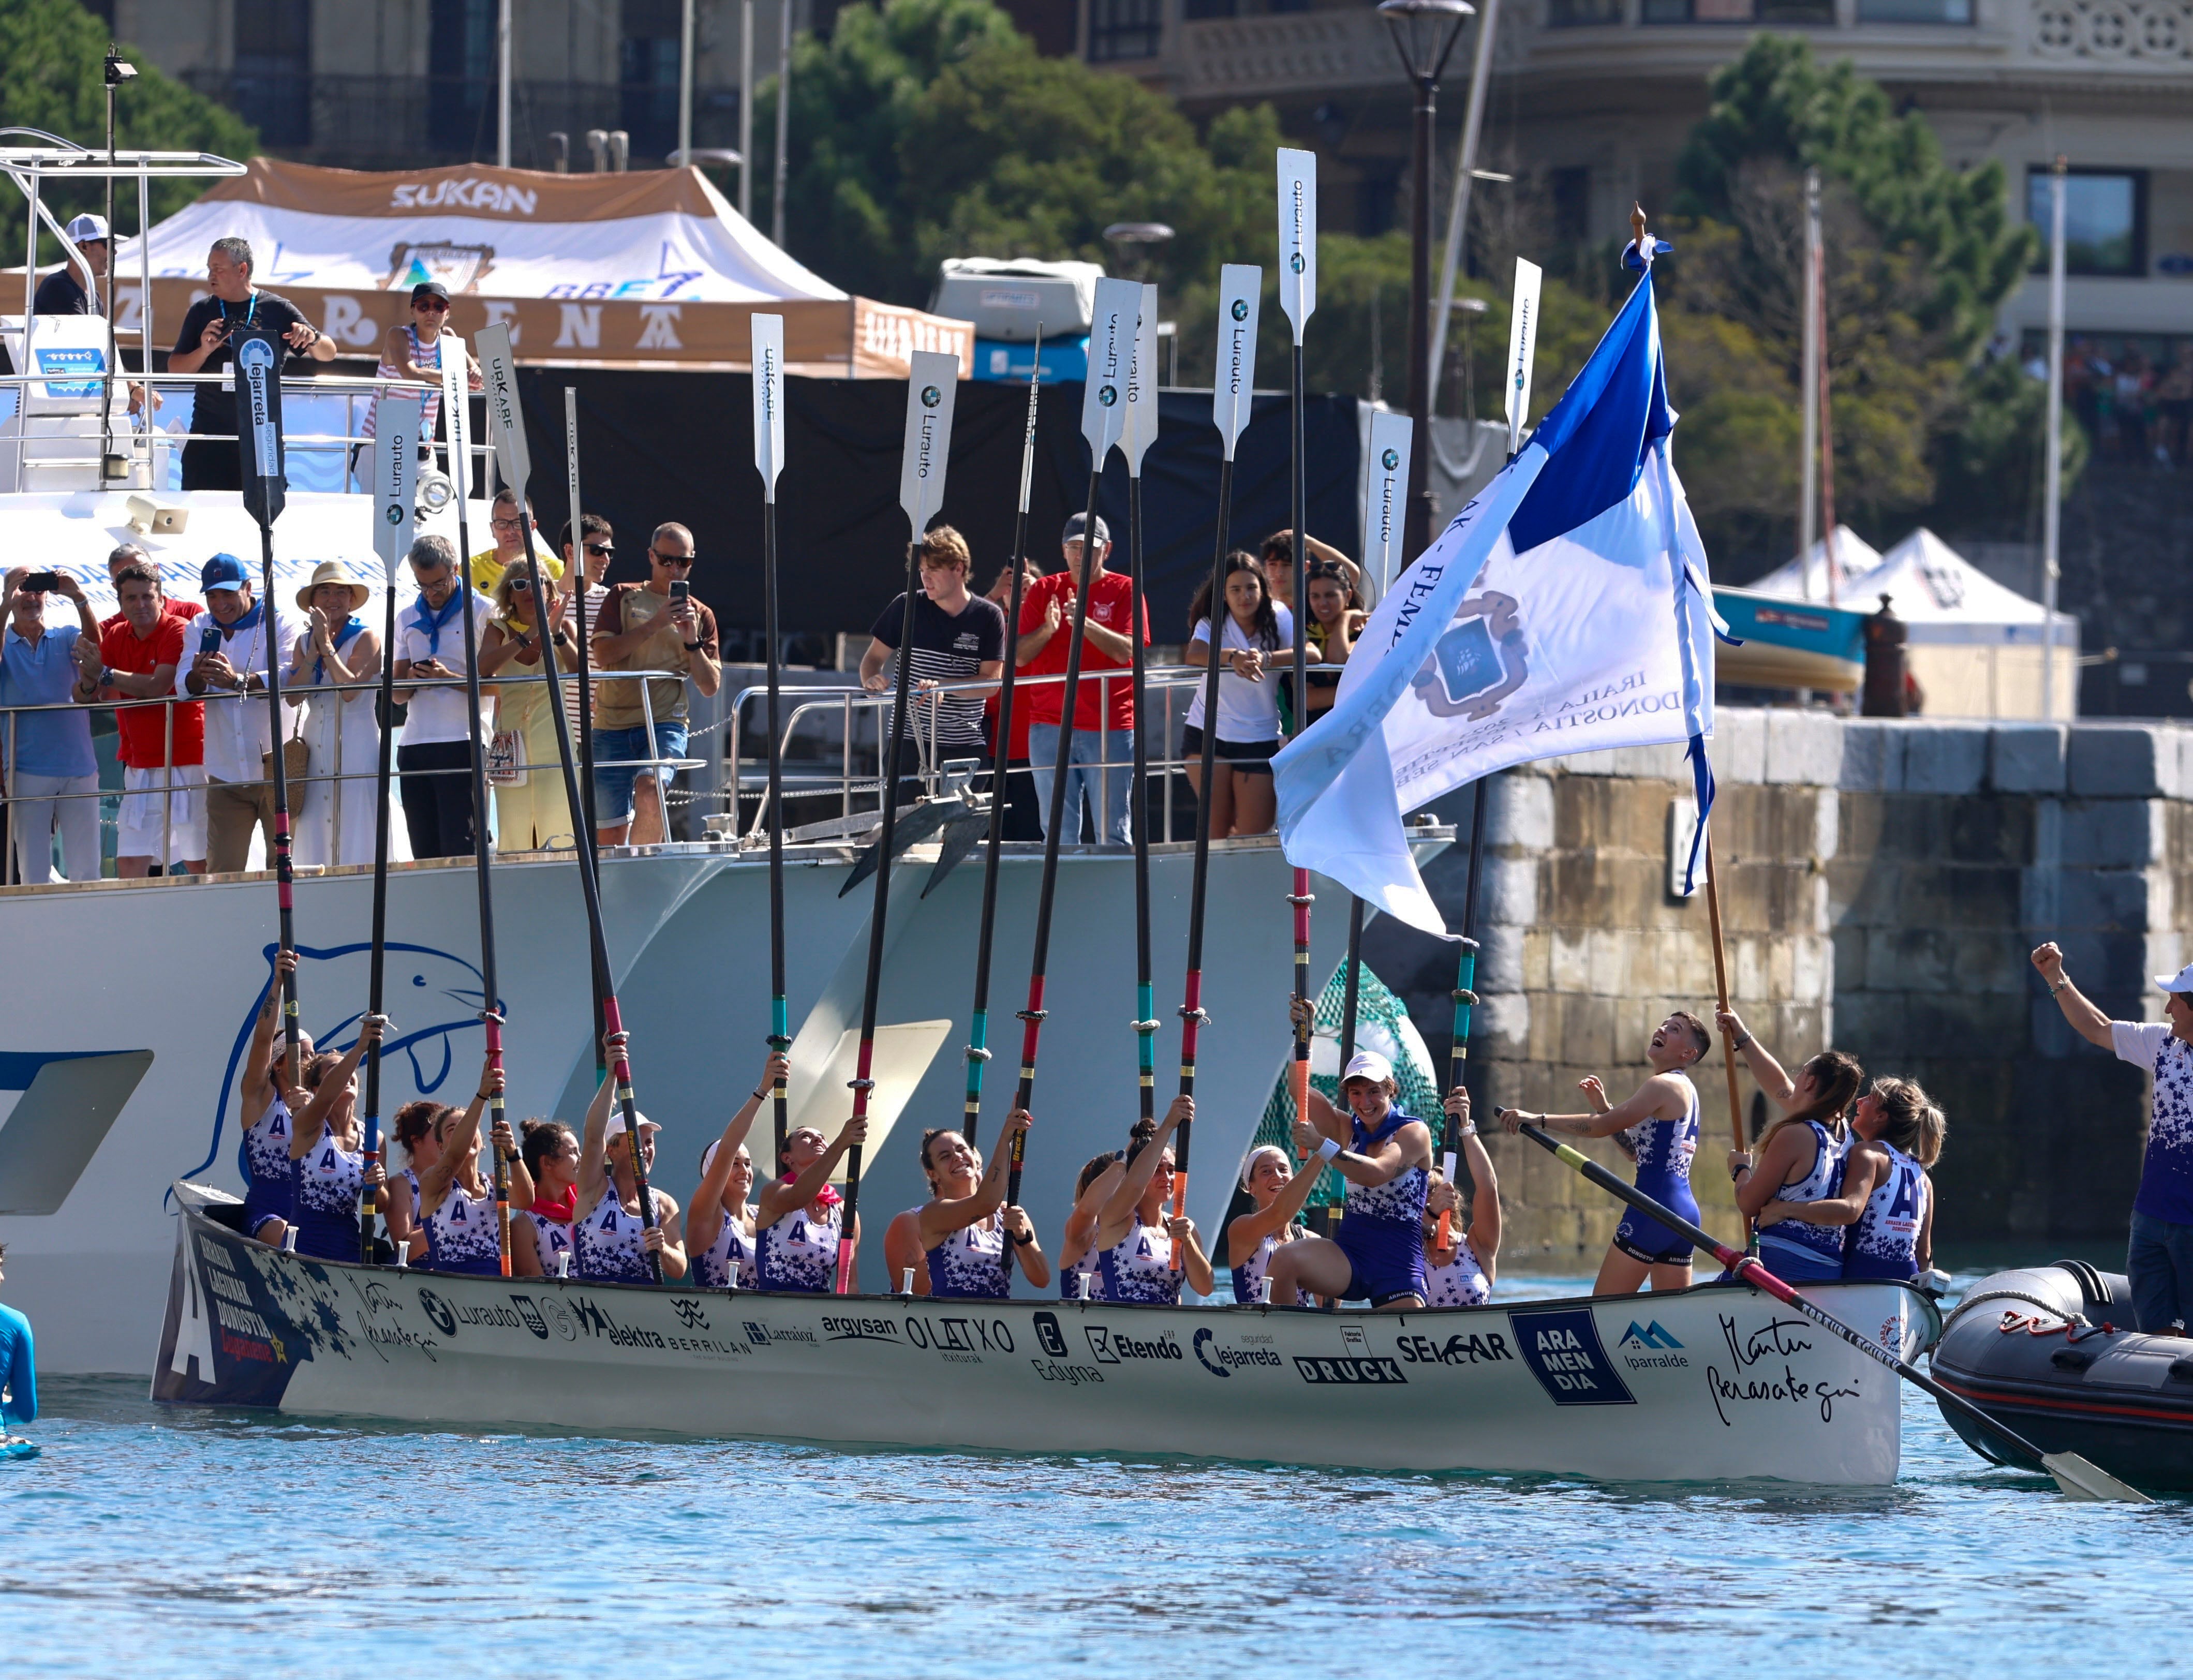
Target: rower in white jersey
<point x="1277" y="1192"/>
<point x="1135" y="1252"/>
<point x="1080" y="1276"/>
<point x="457" y="1201"/>
<point x="610" y="1238"/>
<point x="1460" y="1273"/>
<point x="262" y="1152"/>
<point x="1800" y="1158"/>
<point x="800" y="1218"/>
<point x="412" y="1127"/>
<point x="970" y="1240"/>
<point x="719" y="1225"/>
<point x="541" y="1230"/>
<point x="325" y="1154"/>
<point x="1884" y="1216"/>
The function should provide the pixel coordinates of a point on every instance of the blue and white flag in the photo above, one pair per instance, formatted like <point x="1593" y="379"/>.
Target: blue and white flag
<point x="1566" y="609"/>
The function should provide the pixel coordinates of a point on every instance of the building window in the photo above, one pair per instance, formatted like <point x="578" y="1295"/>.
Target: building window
<point x="1820" y="12"/>
<point x="2104" y="219"/>
<point x="274" y="86"/>
<point x="1569" y="192"/>
<point x="1125" y="29"/>
<point x="647" y="106"/>
<point x="460" y="76"/>
<point x="1193" y="9"/>
<point x="1582" y="14"/>
<point x="1914" y="11"/>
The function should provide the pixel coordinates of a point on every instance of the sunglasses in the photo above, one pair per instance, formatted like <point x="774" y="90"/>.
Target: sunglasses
<point x="521" y="583"/>
<point x="602" y="551"/>
<point x="662" y="559"/>
<point x="501" y="523"/>
<point x="435" y="303"/>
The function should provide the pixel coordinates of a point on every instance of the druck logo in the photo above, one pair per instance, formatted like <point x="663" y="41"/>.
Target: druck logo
<point x="1240" y="309"/>
<point x="931" y="396"/>
<point x="1651" y="1336"/>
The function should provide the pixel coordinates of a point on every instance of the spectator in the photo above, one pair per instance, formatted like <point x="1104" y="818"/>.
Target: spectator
<point x="2159" y="1259"/>
<point x="958" y="637"/>
<point x="600" y="544"/>
<point x="52" y="777"/>
<point x="129" y="554"/>
<point x="1242" y="797"/>
<point x="412" y="351"/>
<point x="18" y="1365"/>
<point x="645" y="626"/>
<point x="435" y="756"/>
<point x="1098" y="775"/>
<point x="1022" y="820"/>
<point x="1335" y="619"/>
<point x="2173" y="402"/>
<point x="514" y="531"/>
<point x="161" y="748"/>
<point x="210" y="459"/>
<point x="235" y="638"/>
<point x="334" y="663"/>
<point x="532" y="811"/>
<point x="1278" y="554"/>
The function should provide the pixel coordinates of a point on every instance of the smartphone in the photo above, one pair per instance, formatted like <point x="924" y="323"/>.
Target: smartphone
<point x="44" y="582"/>
<point x="681" y="590"/>
<point x="209" y="640"/>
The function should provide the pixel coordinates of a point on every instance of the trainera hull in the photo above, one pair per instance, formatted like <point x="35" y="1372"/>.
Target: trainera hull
<point x="1710" y="1384"/>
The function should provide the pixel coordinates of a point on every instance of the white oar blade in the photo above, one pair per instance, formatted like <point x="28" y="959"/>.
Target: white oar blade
<point x="498" y="374"/>
<point x="2085" y="1480"/>
<point x="395" y="461"/>
<point x="1240" y="291"/>
<point x="1297" y="237"/>
<point x="457" y="406"/>
<point x="1522" y="348"/>
<point x="1141" y="429"/>
<point x="767" y="361"/>
<point x="1112" y="332"/>
<point x="932" y="388"/>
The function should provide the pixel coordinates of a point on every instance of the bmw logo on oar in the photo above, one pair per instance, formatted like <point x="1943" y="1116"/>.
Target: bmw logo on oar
<point x="1390" y="460"/>
<point x="931" y="396"/>
<point x="1107" y="395"/>
<point x="1240" y="309"/>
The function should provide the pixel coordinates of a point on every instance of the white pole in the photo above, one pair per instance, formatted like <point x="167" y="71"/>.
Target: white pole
<point x="746" y="108"/>
<point x="783" y="124"/>
<point x="1458" y="215"/>
<point x="502" y="84"/>
<point x="686" y="83"/>
<point x="1808" y="506"/>
<point x="2053" y="513"/>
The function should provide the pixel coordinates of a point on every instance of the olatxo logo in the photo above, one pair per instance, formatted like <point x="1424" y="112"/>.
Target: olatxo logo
<point x="1390" y="461"/>
<point x="1107" y="395"/>
<point x="1651" y="1336"/>
<point x="1240" y="309"/>
<point x="931" y="396"/>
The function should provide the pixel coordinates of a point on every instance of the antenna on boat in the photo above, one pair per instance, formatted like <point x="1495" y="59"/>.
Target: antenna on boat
<point x="932" y="390"/>
<point x="1142" y="431"/>
<point x="978" y="1029"/>
<point x="590" y="839"/>
<point x="259" y="353"/>
<point x="1240" y="289"/>
<point x="500" y="371"/>
<point x="1103" y="421"/>
<point x="456" y="389"/>
<point x="766" y="362"/>
<point x="396" y="431"/>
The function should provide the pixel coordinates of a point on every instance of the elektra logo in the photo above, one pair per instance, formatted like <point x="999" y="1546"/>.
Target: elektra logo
<point x="439" y="1310"/>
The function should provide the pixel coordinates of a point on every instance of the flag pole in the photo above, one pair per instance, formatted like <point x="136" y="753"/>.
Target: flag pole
<point x="1142" y="431"/>
<point x="583" y="817"/>
<point x="932" y="388"/>
<point x="1240" y="289"/>
<point x="1720" y="988"/>
<point x="1104" y="417"/>
<point x="766" y="362"/>
<point x="1297" y="202"/>
<point x="978" y="1028"/>
<point x="1465" y="997"/>
<point x="396" y="431"/>
<point x="500" y="368"/>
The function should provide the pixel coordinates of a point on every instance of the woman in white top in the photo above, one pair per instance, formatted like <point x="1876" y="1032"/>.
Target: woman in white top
<point x="1242" y="797"/>
<point x="1461" y="1273"/>
<point x="1278" y="1191"/>
<point x="719" y="1225"/>
<point x="333" y="667"/>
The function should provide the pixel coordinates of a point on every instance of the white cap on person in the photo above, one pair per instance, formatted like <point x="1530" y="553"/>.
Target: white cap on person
<point x="1368" y="1065"/>
<point x="2180" y="981"/>
<point x="87" y="226"/>
<point x="616" y="1123"/>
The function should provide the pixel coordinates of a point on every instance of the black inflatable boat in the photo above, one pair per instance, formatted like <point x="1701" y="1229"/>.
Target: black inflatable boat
<point x="2047" y="1350"/>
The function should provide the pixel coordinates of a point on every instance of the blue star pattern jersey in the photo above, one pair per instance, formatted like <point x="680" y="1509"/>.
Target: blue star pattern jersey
<point x="329" y="1178"/>
<point x="1140" y="1267"/>
<point x="729" y="1262"/>
<point x="550" y="1237"/>
<point x="800" y="1253"/>
<point x="1823" y="1180"/>
<point x="1884" y="1241"/>
<point x="1382" y="1230"/>
<point x="969" y="1264"/>
<point x="606" y="1242"/>
<point x="262" y="1159"/>
<point x="1460" y="1282"/>
<point x="2166" y="1174"/>
<point x="462" y="1234"/>
<point x="1663" y="1150"/>
<point x="1248" y="1276"/>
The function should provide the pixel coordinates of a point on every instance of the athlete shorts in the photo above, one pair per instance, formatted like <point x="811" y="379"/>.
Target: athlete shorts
<point x="1649" y="1240"/>
<point x="1383" y="1289"/>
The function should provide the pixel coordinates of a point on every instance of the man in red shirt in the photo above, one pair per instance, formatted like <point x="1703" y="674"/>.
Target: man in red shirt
<point x="1101" y="766"/>
<point x="126" y="555"/>
<point x="162" y="763"/>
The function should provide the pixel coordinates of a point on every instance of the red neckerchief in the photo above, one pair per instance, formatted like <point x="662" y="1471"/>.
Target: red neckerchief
<point x="562" y="1210"/>
<point x="829" y="1198"/>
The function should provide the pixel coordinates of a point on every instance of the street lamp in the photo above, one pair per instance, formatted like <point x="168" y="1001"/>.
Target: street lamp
<point x="1424" y="34"/>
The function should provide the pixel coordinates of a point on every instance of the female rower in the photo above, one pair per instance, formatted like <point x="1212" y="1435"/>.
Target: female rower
<point x="412" y="1127"/>
<point x="262" y="1153"/>
<point x="1798" y="1159"/>
<point x="1335" y="619"/>
<point x="1082" y="1278"/>
<point x="1242" y="798"/>
<point x="330" y="1172"/>
<point x="1461" y="1273"/>
<point x="1278" y="1193"/>
<point x="1883" y="1215"/>
<point x="611" y="1239"/>
<point x="541" y="1232"/>
<point x="1134" y="1252"/>
<point x="800" y="1219"/>
<point x="719" y="1227"/>
<point x="1386" y="1158"/>
<point x="1662" y="1119"/>
<point x="457" y="1203"/>
<point x="968" y="1235"/>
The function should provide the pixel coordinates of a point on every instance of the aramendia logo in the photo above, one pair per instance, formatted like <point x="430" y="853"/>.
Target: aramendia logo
<point x="1638" y="1348"/>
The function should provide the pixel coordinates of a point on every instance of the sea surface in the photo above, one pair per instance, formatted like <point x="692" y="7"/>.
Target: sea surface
<point x="150" y="1541"/>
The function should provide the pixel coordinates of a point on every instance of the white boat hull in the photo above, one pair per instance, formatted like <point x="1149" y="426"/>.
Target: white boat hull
<point x="1712" y="1384"/>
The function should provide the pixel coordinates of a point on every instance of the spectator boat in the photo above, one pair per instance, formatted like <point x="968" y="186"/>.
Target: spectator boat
<point x="1713" y="1384"/>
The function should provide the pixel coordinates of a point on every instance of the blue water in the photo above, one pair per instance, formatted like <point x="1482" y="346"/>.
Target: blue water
<point x="150" y="1541"/>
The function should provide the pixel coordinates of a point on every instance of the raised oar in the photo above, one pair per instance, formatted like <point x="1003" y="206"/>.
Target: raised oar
<point x="500" y="368"/>
<point x="1297" y="178"/>
<point x="1140" y="433"/>
<point x="2077" y="1476"/>
<point x="978" y="1027"/>
<point x="259" y="357"/>
<point x="1465" y="997"/>
<point x="766" y="359"/>
<point x="455" y="391"/>
<point x="932" y="390"/>
<point x="1241" y="288"/>
<point x="1720" y="989"/>
<point x="584" y="819"/>
<point x="395" y="427"/>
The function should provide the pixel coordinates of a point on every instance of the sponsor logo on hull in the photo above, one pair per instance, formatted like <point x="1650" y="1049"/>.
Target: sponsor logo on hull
<point x="1561" y="1347"/>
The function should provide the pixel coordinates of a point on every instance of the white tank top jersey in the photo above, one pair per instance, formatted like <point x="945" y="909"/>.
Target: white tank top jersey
<point x="1084" y="1272"/>
<point x="461" y="1233"/>
<point x="1248" y="1276"/>
<point x="550" y="1237"/>
<point x="1460" y="1282"/>
<point x="1139" y="1268"/>
<point x="606" y="1244"/>
<point x="729" y="1262"/>
<point x="800" y="1253"/>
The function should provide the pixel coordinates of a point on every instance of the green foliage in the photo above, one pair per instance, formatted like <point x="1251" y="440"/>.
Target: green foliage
<point x="52" y="53"/>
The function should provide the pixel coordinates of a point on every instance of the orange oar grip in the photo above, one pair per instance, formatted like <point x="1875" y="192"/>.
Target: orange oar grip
<point x="1179" y="1204"/>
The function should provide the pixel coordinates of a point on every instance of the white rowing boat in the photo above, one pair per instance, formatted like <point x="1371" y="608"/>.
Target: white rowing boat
<point x="1715" y="1383"/>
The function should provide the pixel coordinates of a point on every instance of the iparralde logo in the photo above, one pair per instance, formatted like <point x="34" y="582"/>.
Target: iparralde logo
<point x="931" y="396"/>
<point x="1391" y="459"/>
<point x="1240" y="309"/>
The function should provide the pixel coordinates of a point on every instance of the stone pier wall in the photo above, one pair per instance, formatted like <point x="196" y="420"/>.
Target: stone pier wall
<point x="1882" y="885"/>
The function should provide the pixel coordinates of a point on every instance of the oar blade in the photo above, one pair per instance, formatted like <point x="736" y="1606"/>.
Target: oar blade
<point x="961" y="836"/>
<point x="2083" y="1479"/>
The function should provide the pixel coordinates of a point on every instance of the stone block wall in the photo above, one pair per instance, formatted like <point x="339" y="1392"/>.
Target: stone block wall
<point x="1882" y="882"/>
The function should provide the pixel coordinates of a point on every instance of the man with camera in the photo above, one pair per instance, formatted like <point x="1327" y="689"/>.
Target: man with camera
<point x="52" y="778"/>
<point x="161" y="748"/>
<point x="210" y="459"/>
<point x="655" y="625"/>
<point x="230" y="646"/>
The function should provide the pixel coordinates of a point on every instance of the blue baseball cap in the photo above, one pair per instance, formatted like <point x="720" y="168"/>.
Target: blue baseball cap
<point x="223" y="571"/>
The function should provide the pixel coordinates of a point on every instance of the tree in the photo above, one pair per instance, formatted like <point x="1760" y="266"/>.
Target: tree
<point x="52" y="54"/>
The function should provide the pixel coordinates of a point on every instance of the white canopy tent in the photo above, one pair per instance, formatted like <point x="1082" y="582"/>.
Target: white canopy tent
<point x="1805" y="577"/>
<point x="1976" y="648"/>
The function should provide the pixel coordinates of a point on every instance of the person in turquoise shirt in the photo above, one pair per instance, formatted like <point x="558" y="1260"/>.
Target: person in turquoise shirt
<point x="19" y="1371"/>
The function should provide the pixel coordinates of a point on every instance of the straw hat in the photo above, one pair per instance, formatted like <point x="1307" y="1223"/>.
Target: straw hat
<point x="334" y="571"/>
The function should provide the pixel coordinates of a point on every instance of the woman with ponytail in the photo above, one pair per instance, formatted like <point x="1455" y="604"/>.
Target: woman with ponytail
<point x="1799" y="1159"/>
<point x="541" y="1231"/>
<point x="1885" y="1214"/>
